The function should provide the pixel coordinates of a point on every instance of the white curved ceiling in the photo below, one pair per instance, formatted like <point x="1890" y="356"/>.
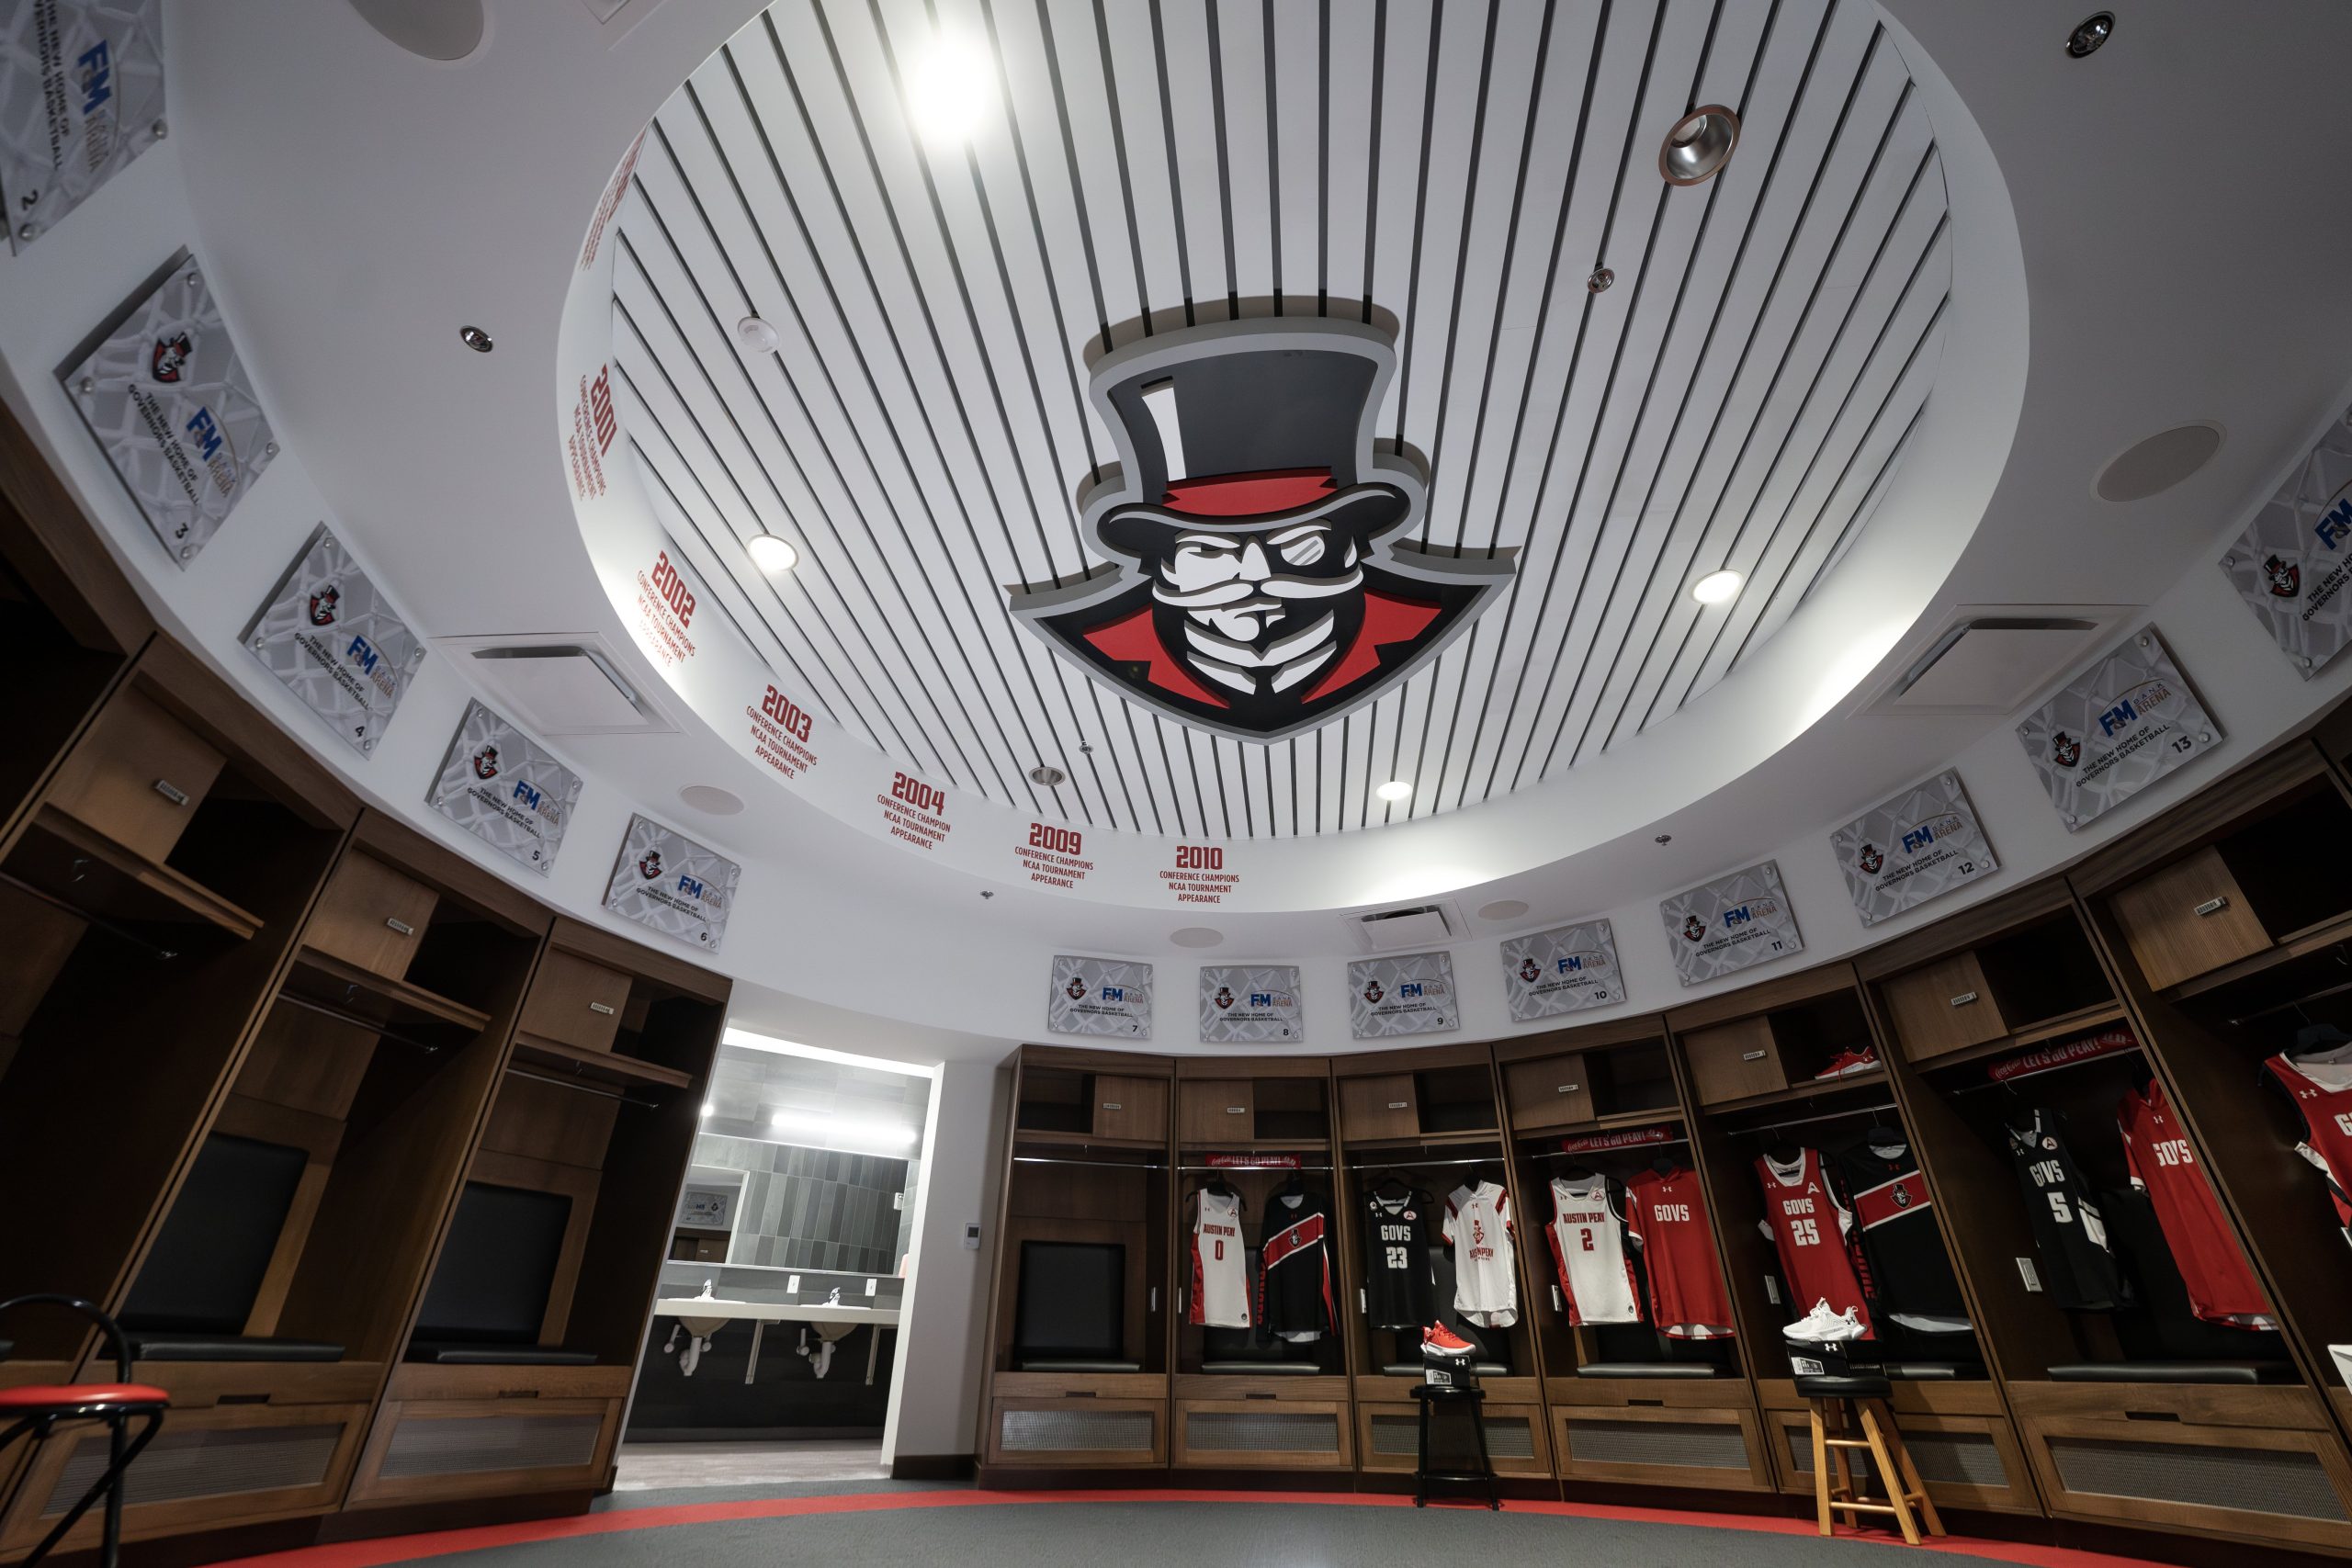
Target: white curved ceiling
<point x="1737" y="398"/>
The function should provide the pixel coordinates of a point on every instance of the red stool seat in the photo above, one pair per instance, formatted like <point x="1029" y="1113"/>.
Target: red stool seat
<point x="82" y="1397"/>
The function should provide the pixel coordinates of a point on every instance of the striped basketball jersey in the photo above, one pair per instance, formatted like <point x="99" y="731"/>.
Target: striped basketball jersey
<point x="1588" y="1251"/>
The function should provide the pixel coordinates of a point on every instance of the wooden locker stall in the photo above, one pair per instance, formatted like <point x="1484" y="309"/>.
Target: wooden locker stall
<point x="519" y="1352"/>
<point x="1628" y="1403"/>
<point x="1418" y="1125"/>
<point x="1087" y="1219"/>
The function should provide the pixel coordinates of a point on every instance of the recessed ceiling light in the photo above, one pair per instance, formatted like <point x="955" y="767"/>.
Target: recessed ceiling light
<point x="475" y="339"/>
<point x="718" y="802"/>
<point x="1699" y="146"/>
<point x="2089" y="34"/>
<point x="755" y="335"/>
<point x="771" y="554"/>
<point x="1716" y="587"/>
<point x="708" y="1108"/>
<point x="1394" y="789"/>
<point x="1047" y="775"/>
<point x="1197" y="936"/>
<point x="950" y="84"/>
<point x="1663" y="839"/>
<point x="1503" y="910"/>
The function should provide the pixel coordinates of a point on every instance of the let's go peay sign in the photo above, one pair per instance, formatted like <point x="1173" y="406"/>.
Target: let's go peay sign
<point x="1100" y="995"/>
<point x="2118" y="728"/>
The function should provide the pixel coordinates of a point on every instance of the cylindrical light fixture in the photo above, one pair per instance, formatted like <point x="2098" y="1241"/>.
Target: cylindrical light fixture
<point x="1698" y="147"/>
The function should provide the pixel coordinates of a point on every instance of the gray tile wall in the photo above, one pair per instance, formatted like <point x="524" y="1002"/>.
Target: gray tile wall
<point x="812" y="1208"/>
<point x="804" y="1207"/>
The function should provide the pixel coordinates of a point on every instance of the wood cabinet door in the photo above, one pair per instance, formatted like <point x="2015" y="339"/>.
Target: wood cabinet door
<point x="575" y="1002"/>
<point x="1383" y="1107"/>
<point x="138" y="776"/>
<point x="2187" y="918"/>
<point x="371" y="915"/>
<point x="1550" y="1091"/>
<point x="1732" y="1061"/>
<point x="1943" y="1007"/>
<point x="1215" y="1111"/>
<point x="1130" y="1107"/>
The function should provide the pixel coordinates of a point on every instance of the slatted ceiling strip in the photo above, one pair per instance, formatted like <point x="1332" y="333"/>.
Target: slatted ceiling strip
<point x="694" y="544"/>
<point x="1871" y="499"/>
<point x="1181" y="32"/>
<point x="1622" y="531"/>
<point x="1294" y="94"/>
<point x="1124" y="72"/>
<point x="855" y="553"/>
<point x="1853" y="489"/>
<point x="666" y="418"/>
<point x="1867" y="311"/>
<point x="1890" y="370"/>
<point x="693" y="497"/>
<point x="1535" y="188"/>
<point x="1769" y="336"/>
<point x="1237" y="33"/>
<point x="789" y="216"/>
<point x="1006" y="498"/>
<point x="1766" y="132"/>
<point x="1598" y="321"/>
<point x="1615" y="82"/>
<point x="1673" y="360"/>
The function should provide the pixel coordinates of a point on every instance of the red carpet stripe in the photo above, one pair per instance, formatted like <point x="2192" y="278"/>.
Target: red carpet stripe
<point x="446" y="1544"/>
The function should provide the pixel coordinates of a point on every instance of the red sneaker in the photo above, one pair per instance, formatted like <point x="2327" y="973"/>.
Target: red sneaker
<point x="1437" y="1339"/>
<point x="1848" y="1063"/>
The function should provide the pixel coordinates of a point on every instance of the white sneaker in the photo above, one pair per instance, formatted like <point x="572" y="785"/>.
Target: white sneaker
<point x="1823" y="1324"/>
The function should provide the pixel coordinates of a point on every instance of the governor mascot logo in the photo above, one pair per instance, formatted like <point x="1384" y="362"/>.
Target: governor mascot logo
<point x="1260" y="571"/>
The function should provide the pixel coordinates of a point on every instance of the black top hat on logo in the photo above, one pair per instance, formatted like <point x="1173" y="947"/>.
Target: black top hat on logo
<point x="1262" y="577"/>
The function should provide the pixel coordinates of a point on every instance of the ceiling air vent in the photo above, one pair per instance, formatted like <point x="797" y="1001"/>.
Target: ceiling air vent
<point x="558" y="685"/>
<point x="1407" y="929"/>
<point x="1990" y="660"/>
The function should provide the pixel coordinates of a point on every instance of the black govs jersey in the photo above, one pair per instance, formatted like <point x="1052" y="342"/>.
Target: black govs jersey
<point x="2078" y="1268"/>
<point x="1398" y="1289"/>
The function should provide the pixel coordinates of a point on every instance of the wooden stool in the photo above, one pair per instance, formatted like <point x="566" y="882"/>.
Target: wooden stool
<point x="1906" y="1498"/>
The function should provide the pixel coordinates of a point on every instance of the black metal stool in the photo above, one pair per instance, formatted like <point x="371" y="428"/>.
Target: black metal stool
<point x="1471" y="1402"/>
<point x="41" y="1408"/>
<point x="1907" y="1496"/>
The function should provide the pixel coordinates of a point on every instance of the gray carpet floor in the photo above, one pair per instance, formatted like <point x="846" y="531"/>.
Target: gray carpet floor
<point x="1166" y="1535"/>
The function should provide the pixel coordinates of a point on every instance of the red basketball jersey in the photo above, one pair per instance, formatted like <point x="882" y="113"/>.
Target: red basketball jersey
<point x="2221" y="1287"/>
<point x="1666" y="1215"/>
<point x="1809" y="1226"/>
<point x="2323" y="1092"/>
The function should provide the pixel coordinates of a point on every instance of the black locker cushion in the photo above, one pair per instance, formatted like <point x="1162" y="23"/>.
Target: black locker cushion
<point x="500" y="1355"/>
<point x="2176" y="1371"/>
<point x="1849" y="1387"/>
<point x="7" y="1349"/>
<point x="1264" y="1368"/>
<point x="160" y="1347"/>
<point x="1414" y="1369"/>
<point x="206" y="1267"/>
<point x="1933" y="1371"/>
<point x="1079" y="1364"/>
<point x="491" y="1285"/>
<point x="1647" y="1370"/>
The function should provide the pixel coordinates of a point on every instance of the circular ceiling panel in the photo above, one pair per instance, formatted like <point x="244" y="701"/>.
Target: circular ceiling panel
<point x="1075" y="423"/>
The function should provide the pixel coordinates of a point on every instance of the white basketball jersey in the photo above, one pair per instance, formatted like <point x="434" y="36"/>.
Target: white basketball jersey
<point x="1478" y="1226"/>
<point x="1220" y="1264"/>
<point x="1588" y="1247"/>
